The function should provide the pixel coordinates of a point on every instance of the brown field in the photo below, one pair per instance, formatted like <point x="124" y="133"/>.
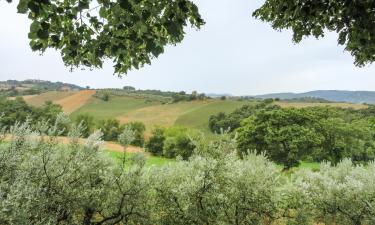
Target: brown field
<point x="306" y="104"/>
<point x="39" y="100"/>
<point x="75" y="101"/>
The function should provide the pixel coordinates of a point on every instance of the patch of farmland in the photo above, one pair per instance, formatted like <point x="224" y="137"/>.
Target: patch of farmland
<point x="39" y="100"/>
<point x="198" y="118"/>
<point x="162" y="115"/>
<point x="116" y="106"/>
<point x="75" y="101"/>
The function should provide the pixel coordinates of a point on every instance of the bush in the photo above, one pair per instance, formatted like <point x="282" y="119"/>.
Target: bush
<point x="155" y="144"/>
<point x="87" y="121"/>
<point x="44" y="182"/>
<point x="110" y="129"/>
<point x="179" y="142"/>
<point x="139" y="129"/>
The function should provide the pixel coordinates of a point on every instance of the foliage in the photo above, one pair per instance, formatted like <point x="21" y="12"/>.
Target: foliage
<point x="44" y="182"/>
<point x="172" y="142"/>
<point x="138" y="129"/>
<point x="339" y="195"/>
<point x="180" y="141"/>
<point x="155" y="143"/>
<point x="286" y="135"/>
<point x="126" y="137"/>
<point x="232" y="121"/>
<point x="87" y="122"/>
<point x="352" y="20"/>
<point x="19" y="111"/>
<point x="317" y="134"/>
<point x="87" y="32"/>
<point x="110" y="129"/>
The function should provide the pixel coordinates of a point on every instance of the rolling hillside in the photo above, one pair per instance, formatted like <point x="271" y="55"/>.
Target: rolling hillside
<point x="153" y="109"/>
<point x="331" y="95"/>
<point x="192" y="114"/>
<point x="39" y="100"/>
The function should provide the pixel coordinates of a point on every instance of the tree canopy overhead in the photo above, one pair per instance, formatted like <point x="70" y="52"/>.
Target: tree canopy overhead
<point x="354" y="21"/>
<point x="132" y="32"/>
<point x="129" y="32"/>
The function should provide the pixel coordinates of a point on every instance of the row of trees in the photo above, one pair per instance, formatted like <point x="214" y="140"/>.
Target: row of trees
<point x="111" y="128"/>
<point x="18" y="110"/>
<point x="42" y="182"/>
<point x="229" y="122"/>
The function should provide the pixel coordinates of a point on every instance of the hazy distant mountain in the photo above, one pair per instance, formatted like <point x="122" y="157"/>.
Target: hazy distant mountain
<point x="330" y="95"/>
<point x="38" y="84"/>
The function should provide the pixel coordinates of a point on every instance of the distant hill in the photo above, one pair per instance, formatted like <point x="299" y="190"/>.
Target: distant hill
<point x="37" y="84"/>
<point x="330" y="95"/>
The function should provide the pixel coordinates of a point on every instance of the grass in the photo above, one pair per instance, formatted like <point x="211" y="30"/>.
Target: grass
<point x="150" y="160"/>
<point x="158" y="161"/>
<point x="39" y="100"/>
<point x="116" y="106"/>
<point x="162" y="115"/>
<point x="309" y="165"/>
<point x="198" y="118"/>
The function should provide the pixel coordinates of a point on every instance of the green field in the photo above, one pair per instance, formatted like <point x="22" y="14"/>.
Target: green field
<point x="113" y="108"/>
<point x="162" y="161"/>
<point x="198" y="118"/>
<point x="192" y="114"/>
<point x="150" y="160"/>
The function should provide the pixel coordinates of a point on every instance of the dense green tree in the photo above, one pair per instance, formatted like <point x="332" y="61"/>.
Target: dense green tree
<point x="110" y="129"/>
<point x="285" y="135"/>
<point x="155" y="143"/>
<point x="179" y="142"/>
<point x="223" y="122"/>
<point x="341" y="140"/>
<point x="13" y="111"/>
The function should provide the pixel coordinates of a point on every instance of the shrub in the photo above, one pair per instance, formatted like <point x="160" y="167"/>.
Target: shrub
<point x="179" y="142"/>
<point x="110" y="129"/>
<point x="139" y="129"/>
<point x="87" y="122"/>
<point x="155" y="144"/>
<point x="45" y="182"/>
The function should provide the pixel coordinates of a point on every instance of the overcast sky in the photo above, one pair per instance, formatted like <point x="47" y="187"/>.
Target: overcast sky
<point x="233" y="53"/>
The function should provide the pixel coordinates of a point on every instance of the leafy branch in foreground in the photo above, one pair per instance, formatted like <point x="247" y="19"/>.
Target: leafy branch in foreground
<point x="129" y="32"/>
<point x="354" y="21"/>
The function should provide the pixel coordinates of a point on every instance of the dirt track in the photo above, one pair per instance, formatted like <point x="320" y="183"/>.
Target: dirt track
<point x="74" y="102"/>
<point x="108" y="145"/>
